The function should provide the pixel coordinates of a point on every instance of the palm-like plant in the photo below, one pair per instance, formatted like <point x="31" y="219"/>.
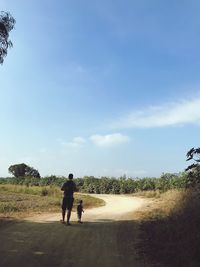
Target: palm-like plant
<point x="193" y="153"/>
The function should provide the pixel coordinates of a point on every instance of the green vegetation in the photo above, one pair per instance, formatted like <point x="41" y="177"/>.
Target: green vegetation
<point x="106" y="185"/>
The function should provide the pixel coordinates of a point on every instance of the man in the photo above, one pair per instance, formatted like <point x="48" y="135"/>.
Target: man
<point x="68" y="187"/>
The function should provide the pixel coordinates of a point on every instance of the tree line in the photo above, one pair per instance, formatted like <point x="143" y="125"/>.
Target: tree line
<point x="26" y="175"/>
<point x="110" y="185"/>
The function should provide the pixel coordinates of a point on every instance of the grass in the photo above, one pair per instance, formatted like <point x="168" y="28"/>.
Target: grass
<point x="148" y="194"/>
<point x="53" y="191"/>
<point x="170" y="229"/>
<point x="18" y="201"/>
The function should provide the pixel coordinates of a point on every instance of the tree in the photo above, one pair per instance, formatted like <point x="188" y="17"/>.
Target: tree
<point x="23" y="170"/>
<point x="7" y="23"/>
<point x="31" y="172"/>
<point x="194" y="169"/>
<point x="193" y="153"/>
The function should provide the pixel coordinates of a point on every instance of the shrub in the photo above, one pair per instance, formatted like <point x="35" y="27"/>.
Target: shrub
<point x="44" y="192"/>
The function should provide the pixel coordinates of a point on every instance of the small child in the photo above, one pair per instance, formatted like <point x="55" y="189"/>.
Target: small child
<point x="79" y="211"/>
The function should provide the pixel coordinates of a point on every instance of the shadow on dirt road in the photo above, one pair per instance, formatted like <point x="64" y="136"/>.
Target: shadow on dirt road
<point x="104" y="243"/>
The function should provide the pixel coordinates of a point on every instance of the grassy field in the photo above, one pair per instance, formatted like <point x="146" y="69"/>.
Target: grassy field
<point x="170" y="229"/>
<point x="18" y="201"/>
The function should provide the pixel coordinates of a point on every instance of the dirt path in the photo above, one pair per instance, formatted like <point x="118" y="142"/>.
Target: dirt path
<point x="108" y="238"/>
<point x="117" y="207"/>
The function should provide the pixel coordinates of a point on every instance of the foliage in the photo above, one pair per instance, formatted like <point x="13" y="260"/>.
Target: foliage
<point x="23" y="170"/>
<point x="112" y="185"/>
<point x="7" y="23"/>
<point x="194" y="169"/>
<point x="193" y="153"/>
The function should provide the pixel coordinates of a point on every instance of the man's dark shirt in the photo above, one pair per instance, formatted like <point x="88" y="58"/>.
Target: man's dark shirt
<point x="69" y="187"/>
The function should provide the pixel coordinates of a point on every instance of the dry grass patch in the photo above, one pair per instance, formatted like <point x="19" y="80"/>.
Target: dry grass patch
<point x="148" y="194"/>
<point x="170" y="229"/>
<point x="20" y="201"/>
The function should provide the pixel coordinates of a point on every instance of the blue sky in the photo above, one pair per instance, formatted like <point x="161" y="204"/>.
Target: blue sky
<point x="101" y="87"/>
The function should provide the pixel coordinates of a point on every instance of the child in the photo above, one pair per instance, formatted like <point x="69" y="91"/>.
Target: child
<point x="80" y="210"/>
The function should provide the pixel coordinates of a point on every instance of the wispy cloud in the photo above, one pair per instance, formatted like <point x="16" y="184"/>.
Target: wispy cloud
<point x="76" y="142"/>
<point x="170" y="114"/>
<point x="109" y="139"/>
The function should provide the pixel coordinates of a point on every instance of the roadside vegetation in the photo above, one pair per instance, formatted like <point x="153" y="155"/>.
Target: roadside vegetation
<point x="170" y="229"/>
<point x="170" y="226"/>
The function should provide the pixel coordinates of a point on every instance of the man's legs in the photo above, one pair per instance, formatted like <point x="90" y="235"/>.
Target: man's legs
<point x="63" y="209"/>
<point x="68" y="215"/>
<point x="63" y="214"/>
<point x="67" y="204"/>
<point x="69" y="208"/>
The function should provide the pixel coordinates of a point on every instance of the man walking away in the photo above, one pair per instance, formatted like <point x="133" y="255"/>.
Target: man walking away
<point x="68" y="187"/>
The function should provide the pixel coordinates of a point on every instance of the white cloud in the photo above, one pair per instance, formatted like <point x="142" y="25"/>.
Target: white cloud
<point x="109" y="139"/>
<point x="76" y="142"/>
<point x="171" y="114"/>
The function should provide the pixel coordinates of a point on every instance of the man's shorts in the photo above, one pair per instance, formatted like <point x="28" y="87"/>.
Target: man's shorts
<point x="67" y="203"/>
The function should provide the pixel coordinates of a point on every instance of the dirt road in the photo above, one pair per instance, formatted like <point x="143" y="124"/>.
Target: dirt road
<point x="108" y="238"/>
<point x="117" y="207"/>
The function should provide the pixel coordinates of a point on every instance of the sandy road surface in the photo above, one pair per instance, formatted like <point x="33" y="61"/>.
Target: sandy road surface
<point x="108" y="238"/>
<point x="116" y="208"/>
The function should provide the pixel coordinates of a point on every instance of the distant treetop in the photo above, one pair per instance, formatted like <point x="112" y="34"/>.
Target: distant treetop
<point x="23" y="170"/>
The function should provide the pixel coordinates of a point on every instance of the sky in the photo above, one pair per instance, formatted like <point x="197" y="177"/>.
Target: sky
<point x="101" y="88"/>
